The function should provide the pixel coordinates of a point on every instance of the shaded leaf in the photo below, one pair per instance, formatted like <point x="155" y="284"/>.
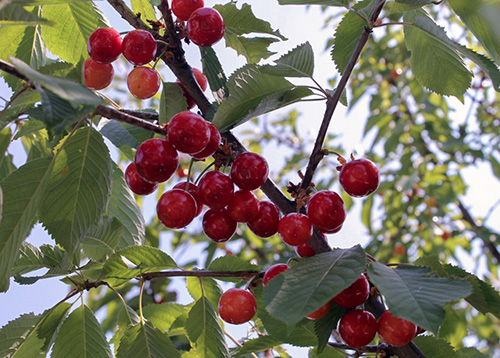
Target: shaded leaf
<point x="103" y="239"/>
<point x="405" y="5"/>
<point x="344" y="3"/>
<point x="435" y="347"/>
<point x="254" y="49"/>
<point x="232" y="263"/>
<point x="485" y="64"/>
<point x="123" y="134"/>
<point x="258" y="344"/>
<point x="15" y="14"/>
<point x="32" y="258"/>
<point x="212" y="68"/>
<point x="172" y="101"/>
<point x="163" y="315"/>
<point x="210" y="290"/>
<point x="299" y="62"/>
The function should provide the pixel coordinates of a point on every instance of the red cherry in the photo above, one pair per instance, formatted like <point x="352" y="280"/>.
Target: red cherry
<point x="184" y="8"/>
<point x="354" y="295"/>
<point x="244" y="206"/>
<point x="295" y="229"/>
<point x="215" y="189"/>
<point x="205" y="27"/>
<point x="139" y="47"/>
<point x="326" y="210"/>
<point x="333" y="231"/>
<point x="188" y="132"/>
<point x="97" y="75"/>
<point x="237" y="306"/>
<point x="156" y="160"/>
<point x="357" y="328"/>
<point x="272" y="271"/>
<point x="395" y="331"/>
<point x="176" y="208"/>
<point x="202" y="81"/>
<point x="359" y="177"/>
<point x="266" y="222"/>
<point x="320" y="312"/>
<point x="304" y="250"/>
<point x="249" y="171"/>
<point x="212" y="146"/>
<point x="218" y="225"/>
<point x="104" y="45"/>
<point x="137" y="184"/>
<point x="143" y="82"/>
<point x="194" y="191"/>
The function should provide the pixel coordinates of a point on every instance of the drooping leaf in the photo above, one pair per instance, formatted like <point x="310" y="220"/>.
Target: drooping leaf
<point x="32" y="258"/>
<point x="232" y="263"/>
<point x="23" y="191"/>
<point x="81" y="335"/>
<point x="481" y="18"/>
<point x="205" y="332"/>
<point x="299" y="62"/>
<point x="15" y="14"/>
<point x="79" y="188"/>
<point x="144" y="341"/>
<point x="436" y="64"/>
<point x="210" y="289"/>
<point x="485" y="64"/>
<point x="132" y="261"/>
<point x="344" y="3"/>
<point x="311" y="283"/>
<point x="252" y="93"/>
<point x="74" y="22"/>
<point x="123" y="206"/>
<point x="145" y="9"/>
<point x="163" y="315"/>
<point x="216" y="77"/>
<point x="415" y="294"/>
<point x="172" y="101"/>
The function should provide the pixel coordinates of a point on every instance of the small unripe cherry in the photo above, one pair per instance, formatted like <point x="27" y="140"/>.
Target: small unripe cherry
<point x="104" y="45"/>
<point x="237" y="306"/>
<point x="143" y="82"/>
<point x="97" y="75"/>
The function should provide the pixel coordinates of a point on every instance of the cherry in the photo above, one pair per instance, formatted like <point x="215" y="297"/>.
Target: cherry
<point x="176" y="208"/>
<point x="202" y="81"/>
<point x="266" y="222"/>
<point x="194" y="191"/>
<point x="104" y="45"/>
<point x="212" y="146"/>
<point x="320" y="312"/>
<point x="188" y="132"/>
<point x="97" y="75"/>
<point x="218" y="225"/>
<point x="395" y="331"/>
<point x="137" y="184"/>
<point x="244" y="206"/>
<point x="333" y="231"/>
<point x="326" y="210"/>
<point x="295" y="229"/>
<point x="156" y="160"/>
<point x="215" y="189"/>
<point x="205" y="27"/>
<point x="237" y="306"/>
<point x="249" y="171"/>
<point x="357" y="328"/>
<point x="304" y="250"/>
<point x="139" y="47"/>
<point x="354" y="295"/>
<point x="359" y="177"/>
<point x="184" y="8"/>
<point x="143" y="82"/>
<point x="272" y="271"/>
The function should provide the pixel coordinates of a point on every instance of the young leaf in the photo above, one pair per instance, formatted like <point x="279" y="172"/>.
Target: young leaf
<point x="23" y="191"/>
<point x="260" y="94"/>
<point x="81" y="335"/>
<point x="79" y="190"/>
<point x="74" y="22"/>
<point x="481" y="18"/>
<point x="163" y="315"/>
<point x="311" y="283"/>
<point x="413" y="293"/>
<point x="132" y="261"/>
<point x="299" y="62"/>
<point x="210" y="290"/>
<point x="436" y="64"/>
<point x="205" y="332"/>
<point x="144" y="341"/>
<point x="344" y="3"/>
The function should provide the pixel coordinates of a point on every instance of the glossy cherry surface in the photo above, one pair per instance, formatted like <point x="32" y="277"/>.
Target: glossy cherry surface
<point x="143" y="82"/>
<point x="326" y="210"/>
<point x="237" y="306"/>
<point x="136" y="183"/>
<point x="97" y="75"/>
<point x="216" y="189"/>
<point x="176" y="208"/>
<point x="320" y="312"/>
<point x="139" y="47"/>
<point x="104" y="45"/>
<point x="266" y="222"/>
<point x="304" y="250"/>
<point x="395" y="331"/>
<point x="354" y="295"/>
<point x="249" y="171"/>
<point x="184" y="8"/>
<point x="205" y="27"/>
<point x="272" y="271"/>
<point x="194" y="191"/>
<point x="218" y="225"/>
<point x="244" y="206"/>
<point x="156" y="160"/>
<point x="357" y="328"/>
<point x="295" y="229"/>
<point x="359" y="177"/>
<point x="212" y="146"/>
<point x="188" y="132"/>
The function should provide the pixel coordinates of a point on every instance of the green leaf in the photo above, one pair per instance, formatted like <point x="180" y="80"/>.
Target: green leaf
<point x="495" y="166"/>
<point x="15" y="14"/>
<point x="205" y="332"/>
<point x="123" y="206"/>
<point x="32" y="258"/>
<point x="254" y="49"/>
<point x="163" y="315"/>
<point x="80" y="187"/>
<point x="74" y="22"/>
<point x="471" y="352"/>
<point x="216" y="77"/>
<point x="172" y="101"/>
<point x="415" y="294"/>
<point x="344" y="3"/>
<point x="436" y="65"/>
<point x="73" y="92"/>
<point x="23" y="191"/>
<point x="144" y="341"/>
<point x="329" y="352"/>
<point x="260" y="94"/>
<point x="485" y="64"/>
<point x="123" y="134"/>
<point x="145" y="9"/>
<point x="132" y="261"/>
<point x="299" y="62"/>
<point x="232" y="263"/>
<point x="210" y="290"/>
<point x="311" y="283"/>
<point x="324" y="326"/>
<point x="21" y="105"/>
<point x="258" y="344"/>
<point x="81" y="335"/>
<point x="103" y="239"/>
<point x="435" y="347"/>
<point x="43" y="2"/>
<point x="481" y="18"/>
<point x="405" y="5"/>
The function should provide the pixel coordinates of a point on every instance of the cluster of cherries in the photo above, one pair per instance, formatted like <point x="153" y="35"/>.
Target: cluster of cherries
<point x="357" y="327"/>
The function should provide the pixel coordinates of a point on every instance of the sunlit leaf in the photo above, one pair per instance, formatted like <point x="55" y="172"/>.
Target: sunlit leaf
<point x="15" y="14"/>
<point x="315" y="2"/>
<point x="163" y="315"/>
